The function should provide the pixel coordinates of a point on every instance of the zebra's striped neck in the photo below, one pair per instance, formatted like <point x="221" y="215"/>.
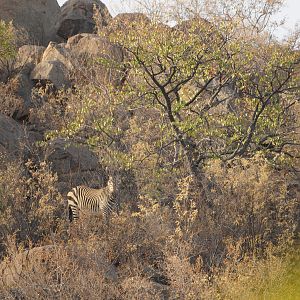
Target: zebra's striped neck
<point x="110" y="185"/>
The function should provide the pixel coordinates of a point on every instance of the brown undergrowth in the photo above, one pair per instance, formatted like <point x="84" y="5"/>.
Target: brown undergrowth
<point x="239" y="246"/>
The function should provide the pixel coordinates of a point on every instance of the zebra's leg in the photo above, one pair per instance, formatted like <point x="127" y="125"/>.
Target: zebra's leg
<point x="73" y="213"/>
<point x="117" y="207"/>
<point x="70" y="214"/>
<point x="73" y="217"/>
<point x="106" y="222"/>
<point x="106" y="218"/>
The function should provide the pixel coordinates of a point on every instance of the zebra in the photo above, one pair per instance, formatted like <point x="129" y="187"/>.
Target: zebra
<point x="94" y="201"/>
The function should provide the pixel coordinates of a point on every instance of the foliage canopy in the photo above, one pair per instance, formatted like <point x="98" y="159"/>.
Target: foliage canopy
<point x="223" y="94"/>
<point x="8" y="48"/>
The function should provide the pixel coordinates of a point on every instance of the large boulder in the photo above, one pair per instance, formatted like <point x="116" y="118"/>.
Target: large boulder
<point x="36" y="265"/>
<point x="23" y="89"/>
<point x="93" y="45"/>
<point x="74" y="165"/>
<point x="29" y="56"/>
<point x="12" y="136"/>
<point x="17" y="92"/>
<point x="17" y="267"/>
<point x="54" y="66"/>
<point x="58" y="52"/>
<point x="83" y="53"/>
<point x="77" y="17"/>
<point x="53" y="72"/>
<point x="37" y="17"/>
<point x="95" y="52"/>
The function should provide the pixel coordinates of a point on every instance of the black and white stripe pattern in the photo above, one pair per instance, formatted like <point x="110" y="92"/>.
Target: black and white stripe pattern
<point x="94" y="201"/>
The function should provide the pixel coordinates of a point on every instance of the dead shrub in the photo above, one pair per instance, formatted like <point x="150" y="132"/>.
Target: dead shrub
<point x="10" y="101"/>
<point x="253" y="204"/>
<point x="71" y="271"/>
<point x="233" y="249"/>
<point x="47" y="111"/>
<point x="31" y="206"/>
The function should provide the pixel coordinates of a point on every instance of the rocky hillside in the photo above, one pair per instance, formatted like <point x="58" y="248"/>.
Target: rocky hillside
<point x="198" y="124"/>
<point x="59" y="43"/>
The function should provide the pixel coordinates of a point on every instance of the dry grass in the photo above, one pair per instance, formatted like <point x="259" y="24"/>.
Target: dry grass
<point x="236" y="250"/>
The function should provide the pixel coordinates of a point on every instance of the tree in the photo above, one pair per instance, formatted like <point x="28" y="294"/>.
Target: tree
<point x="8" y="48"/>
<point x="224" y="90"/>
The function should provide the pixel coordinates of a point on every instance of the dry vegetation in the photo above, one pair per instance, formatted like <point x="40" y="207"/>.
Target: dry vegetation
<point x="235" y="236"/>
<point x="240" y="249"/>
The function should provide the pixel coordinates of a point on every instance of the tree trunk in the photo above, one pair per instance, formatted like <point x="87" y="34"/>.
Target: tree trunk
<point x="197" y="171"/>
